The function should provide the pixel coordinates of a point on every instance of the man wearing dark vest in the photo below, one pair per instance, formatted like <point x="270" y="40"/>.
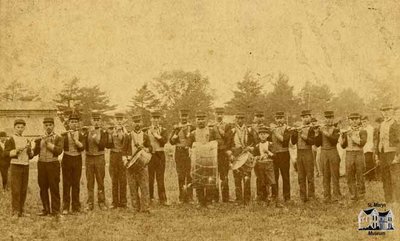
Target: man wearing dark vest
<point x="158" y="136"/>
<point x="353" y="141"/>
<point x="71" y="165"/>
<point x="280" y="141"/>
<point x="223" y="129"/>
<point x="179" y="138"/>
<point x="327" y="137"/>
<point x="117" y="169"/>
<point x="241" y="141"/>
<point x="96" y="141"/>
<point x="49" y="147"/>
<point x="304" y="138"/>
<point x="203" y="134"/>
<point x="388" y="149"/>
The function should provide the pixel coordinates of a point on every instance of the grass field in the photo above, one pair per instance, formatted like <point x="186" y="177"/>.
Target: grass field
<point x="313" y="221"/>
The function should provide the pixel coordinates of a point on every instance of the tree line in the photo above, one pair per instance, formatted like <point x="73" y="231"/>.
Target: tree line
<point x="178" y="89"/>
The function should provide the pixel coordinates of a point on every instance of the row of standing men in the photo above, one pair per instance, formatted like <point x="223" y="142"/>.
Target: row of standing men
<point x="269" y="144"/>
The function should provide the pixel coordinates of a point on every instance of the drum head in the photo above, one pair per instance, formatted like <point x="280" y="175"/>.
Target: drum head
<point x="133" y="160"/>
<point x="240" y="161"/>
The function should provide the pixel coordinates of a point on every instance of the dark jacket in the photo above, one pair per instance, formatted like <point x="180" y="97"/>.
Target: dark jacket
<point x="224" y="137"/>
<point x="214" y="136"/>
<point x="127" y="144"/>
<point x="306" y="143"/>
<point x="327" y="141"/>
<point x="4" y="160"/>
<point x="103" y="141"/>
<point x="363" y="139"/>
<point x="10" y="145"/>
<point x="82" y="139"/>
<point x="58" y="146"/>
<point x="178" y="141"/>
<point x="162" y="141"/>
<point x="231" y="142"/>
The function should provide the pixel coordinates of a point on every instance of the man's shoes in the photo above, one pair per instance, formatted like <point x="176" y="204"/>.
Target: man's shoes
<point x="278" y="205"/>
<point x="165" y="203"/>
<point x="43" y="213"/>
<point x="112" y="206"/>
<point x="89" y="208"/>
<point x="65" y="212"/>
<point x="103" y="207"/>
<point x="24" y="215"/>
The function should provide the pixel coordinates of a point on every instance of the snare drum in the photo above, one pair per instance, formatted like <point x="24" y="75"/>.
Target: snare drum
<point x="244" y="163"/>
<point x="139" y="160"/>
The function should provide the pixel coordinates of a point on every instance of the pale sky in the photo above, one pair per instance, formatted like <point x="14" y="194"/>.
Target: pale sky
<point x="122" y="44"/>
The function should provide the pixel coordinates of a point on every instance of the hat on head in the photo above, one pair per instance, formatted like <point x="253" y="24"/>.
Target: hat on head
<point x="386" y="107"/>
<point x="3" y="134"/>
<point x="137" y="118"/>
<point x="314" y="119"/>
<point x="305" y="112"/>
<point x="329" y="113"/>
<point x="240" y="115"/>
<point x="119" y="115"/>
<point x="354" y="116"/>
<point x="184" y="112"/>
<point x="259" y="113"/>
<point x="48" y="120"/>
<point x="156" y="114"/>
<point x="96" y="115"/>
<point x="19" y="121"/>
<point x="73" y="116"/>
<point x="219" y="110"/>
<point x="263" y="129"/>
<point x="201" y="114"/>
<point x="279" y="114"/>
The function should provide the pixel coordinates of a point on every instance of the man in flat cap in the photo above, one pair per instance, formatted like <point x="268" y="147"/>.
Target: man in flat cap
<point x="241" y="141"/>
<point x="4" y="161"/>
<point x="71" y="164"/>
<point x="116" y="135"/>
<point x="353" y="140"/>
<point x="158" y="136"/>
<point x="18" y="148"/>
<point x="304" y="138"/>
<point x="48" y="148"/>
<point x="138" y="178"/>
<point x="388" y="149"/>
<point x="327" y="137"/>
<point x="96" y="141"/>
<point x="205" y="191"/>
<point x="179" y="138"/>
<point x="280" y="142"/>
<point x="224" y="131"/>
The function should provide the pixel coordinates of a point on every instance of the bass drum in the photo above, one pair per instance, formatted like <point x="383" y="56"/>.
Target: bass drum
<point x="204" y="164"/>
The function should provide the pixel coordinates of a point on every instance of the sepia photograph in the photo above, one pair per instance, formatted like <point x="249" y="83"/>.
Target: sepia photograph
<point x="199" y="120"/>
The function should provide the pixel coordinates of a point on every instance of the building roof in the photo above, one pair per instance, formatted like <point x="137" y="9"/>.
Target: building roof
<point x="368" y="211"/>
<point x="27" y="105"/>
<point x="383" y="214"/>
<point x="32" y="112"/>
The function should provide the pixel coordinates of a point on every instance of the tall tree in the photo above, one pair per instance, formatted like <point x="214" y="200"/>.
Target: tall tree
<point x="92" y="99"/>
<point x="281" y="98"/>
<point x="248" y="97"/>
<point x="16" y="91"/>
<point x="68" y="98"/>
<point x="143" y="102"/>
<point x="346" y="102"/>
<point x="315" y="97"/>
<point x="179" y="89"/>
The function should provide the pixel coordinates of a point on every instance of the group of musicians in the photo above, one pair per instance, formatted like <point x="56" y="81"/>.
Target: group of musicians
<point x="266" y="149"/>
